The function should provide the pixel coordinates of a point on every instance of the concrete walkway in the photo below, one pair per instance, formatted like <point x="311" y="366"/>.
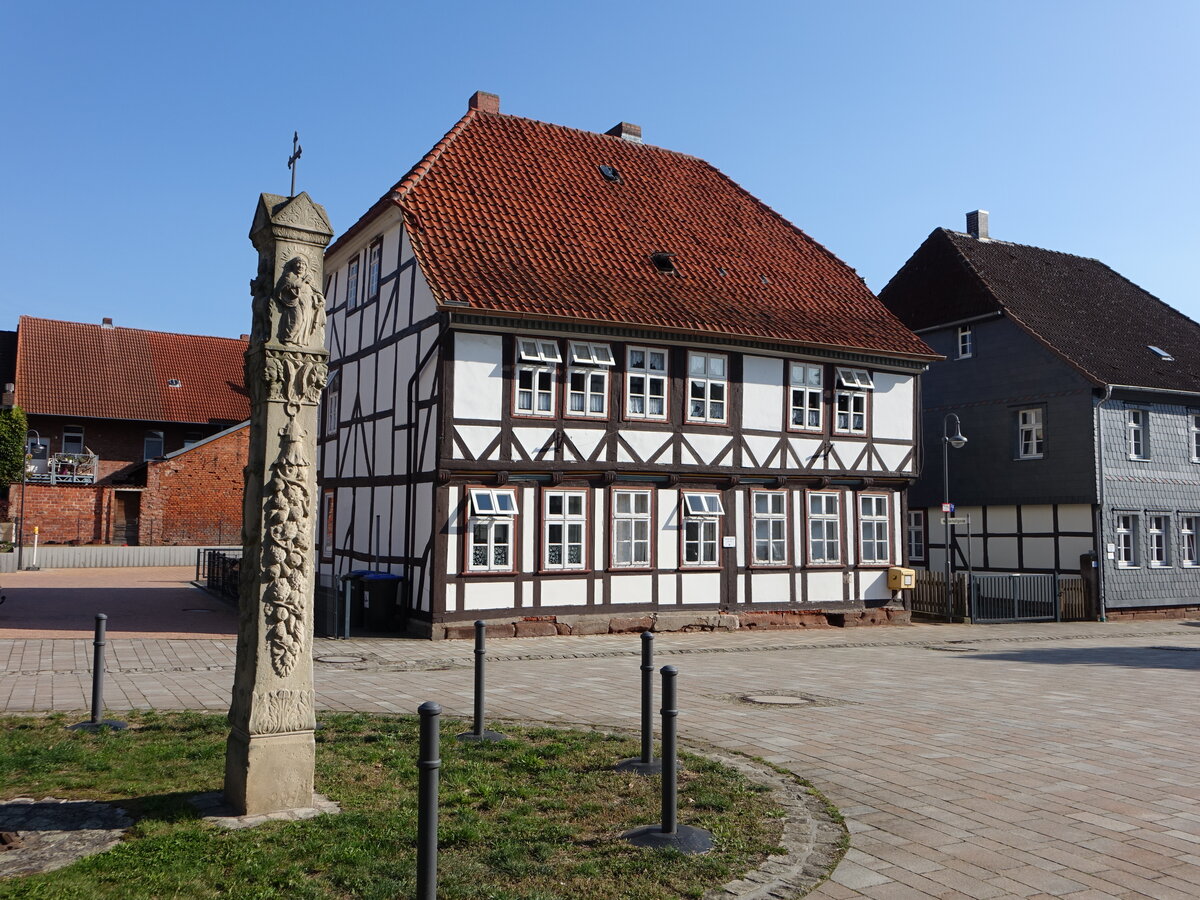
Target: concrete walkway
<point x="970" y="761"/>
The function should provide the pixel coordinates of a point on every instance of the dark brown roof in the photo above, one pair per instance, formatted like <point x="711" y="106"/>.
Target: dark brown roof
<point x="74" y="369"/>
<point x="1098" y="320"/>
<point x="512" y="216"/>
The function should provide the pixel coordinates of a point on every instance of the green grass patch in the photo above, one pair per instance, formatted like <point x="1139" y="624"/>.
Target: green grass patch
<point x="534" y="818"/>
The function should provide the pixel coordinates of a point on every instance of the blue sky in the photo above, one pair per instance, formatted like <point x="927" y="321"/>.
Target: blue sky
<point x="139" y="135"/>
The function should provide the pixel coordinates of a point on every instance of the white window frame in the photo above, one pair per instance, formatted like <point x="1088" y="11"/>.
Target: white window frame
<point x="915" y="535"/>
<point x="494" y="510"/>
<point x="702" y="514"/>
<point x="332" y="400"/>
<point x="1158" y="540"/>
<point x="76" y="431"/>
<point x="769" y="528"/>
<point x="846" y="406"/>
<point x="822" y="521"/>
<point x="374" y="268"/>
<point x="539" y="350"/>
<point x="162" y="444"/>
<point x="541" y="388"/>
<point x="646" y="397"/>
<point x="1189" y="548"/>
<point x="1125" y="530"/>
<point x="1031" y="433"/>
<point x="586" y="354"/>
<point x="632" y="527"/>
<point x="1194" y="418"/>
<point x="589" y="363"/>
<point x="492" y="501"/>
<point x="566" y="520"/>
<point x="855" y="379"/>
<point x="708" y="376"/>
<point x="352" y="276"/>
<point x="870" y="524"/>
<point x="806" y="396"/>
<point x="966" y="342"/>
<point x="1137" y="433"/>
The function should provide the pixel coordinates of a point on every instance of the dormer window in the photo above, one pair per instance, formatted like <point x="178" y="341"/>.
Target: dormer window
<point x="664" y="262"/>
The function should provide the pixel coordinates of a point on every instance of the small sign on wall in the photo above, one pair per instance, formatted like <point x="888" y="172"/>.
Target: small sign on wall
<point x="729" y="541"/>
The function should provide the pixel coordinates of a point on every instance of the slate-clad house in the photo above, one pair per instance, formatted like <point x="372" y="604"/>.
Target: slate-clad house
<point x="1079" y="394"/>
<point x="575" y="376"/>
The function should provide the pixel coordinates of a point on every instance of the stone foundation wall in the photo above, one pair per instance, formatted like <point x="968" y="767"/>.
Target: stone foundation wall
<point x="1153" y="613"/>
<point x="767" y="620"/>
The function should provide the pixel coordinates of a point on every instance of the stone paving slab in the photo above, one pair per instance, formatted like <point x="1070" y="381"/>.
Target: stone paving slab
<point x="969" y="761"/>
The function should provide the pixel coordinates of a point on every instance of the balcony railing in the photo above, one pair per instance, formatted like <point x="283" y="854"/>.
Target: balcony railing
<point x="64" y="468"/>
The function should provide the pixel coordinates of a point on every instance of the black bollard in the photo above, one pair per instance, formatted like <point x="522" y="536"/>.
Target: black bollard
<point x="669" y="833"/>
<point x="428" y="763"/>
<point x="96" y="723"/>
<point x="478" y="732"/>
<point x="645" y="764"/>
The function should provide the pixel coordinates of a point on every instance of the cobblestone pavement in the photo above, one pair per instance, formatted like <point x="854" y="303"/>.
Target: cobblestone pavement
<point x="970" y="761"/>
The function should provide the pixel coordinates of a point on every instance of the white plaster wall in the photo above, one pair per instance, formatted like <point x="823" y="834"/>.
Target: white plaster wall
<point x="770" y="587"/>
<point x="454" y="529"/>
<point x="1002" y="552"/>
<point x="893" y="455"/>
<point x="527" y="507"/>
<point x="762" y="393"/>
<point x="732" y="525"/>
<point x="1075" y="517"/>
<point x="873" y="585"/>
<point x="1037" y="518"/>
<point x="702" y="587"/>
<point x="632" y="588"/>
<point x="478" y="375"/>
<point x="1070" y="549"/>
<point x="667" y="551"/>
<point x="557" y="592"/>
<point x="599" y="533"/>
<point x="762" y="450"/>
<point x="476" y="437"/>
<point x="707" y="446"/>
<point x="1001" y="518"/>
<point x="1038" y="553"/>
<point x="423" y="303"/>
<point x="805" y="450"/>
<point x="644" y="443"/>
<point x="489" y="595"/>
<point x="666" y="590"/>
<point x="824" y="587"/>
<point x="533" y="439"/>
<point x="892" y="406"/>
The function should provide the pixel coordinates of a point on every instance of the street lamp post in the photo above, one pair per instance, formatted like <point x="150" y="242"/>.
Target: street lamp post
<point x="24" y="478"/>
<point x="956" y="441"/>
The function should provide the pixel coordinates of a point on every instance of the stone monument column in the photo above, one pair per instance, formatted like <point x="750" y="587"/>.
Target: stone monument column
<point x="270" y="752"/>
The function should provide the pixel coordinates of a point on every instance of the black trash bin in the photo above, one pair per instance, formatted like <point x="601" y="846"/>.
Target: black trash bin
<point x="380" y="602"/>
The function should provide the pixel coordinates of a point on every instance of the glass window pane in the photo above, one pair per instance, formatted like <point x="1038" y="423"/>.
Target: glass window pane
<point x="716" y="366"/>
<point x="696" y="363"/>
<point x="637" y="359"/>
<point x="575" y="504"/>
<point x="658" y="362"/>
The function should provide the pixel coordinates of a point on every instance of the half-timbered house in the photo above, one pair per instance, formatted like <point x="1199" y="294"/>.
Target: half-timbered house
<point x="577" y="377"/>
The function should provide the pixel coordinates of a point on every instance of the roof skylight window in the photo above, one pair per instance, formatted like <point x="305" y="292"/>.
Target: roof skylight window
<point x="174" y="382"/>
<point x="610" y="174"/>
<point x="1163" y="354"/>
<point x="664" y="262"/>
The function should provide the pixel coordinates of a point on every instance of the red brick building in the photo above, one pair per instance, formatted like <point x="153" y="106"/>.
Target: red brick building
<point x="111" y="411"/>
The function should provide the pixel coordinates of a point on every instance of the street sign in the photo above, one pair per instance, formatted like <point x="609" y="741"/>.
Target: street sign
<point x="956" y="520"/>
<point x="948" y="507"/>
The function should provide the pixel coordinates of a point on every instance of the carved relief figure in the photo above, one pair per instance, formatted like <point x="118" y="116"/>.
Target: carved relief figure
<point x="301" y="304"/>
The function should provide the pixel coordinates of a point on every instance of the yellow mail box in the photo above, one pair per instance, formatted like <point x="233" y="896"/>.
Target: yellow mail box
<point x="900" y="578"/>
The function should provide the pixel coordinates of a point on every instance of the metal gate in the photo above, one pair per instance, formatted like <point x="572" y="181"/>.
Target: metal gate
<point x="1014" y="598"/>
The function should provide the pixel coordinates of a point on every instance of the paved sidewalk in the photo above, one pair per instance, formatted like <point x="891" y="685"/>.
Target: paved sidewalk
<point x="970" y="761"/>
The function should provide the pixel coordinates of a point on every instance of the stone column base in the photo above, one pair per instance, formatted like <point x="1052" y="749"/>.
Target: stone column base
<point x="268" y="773"/>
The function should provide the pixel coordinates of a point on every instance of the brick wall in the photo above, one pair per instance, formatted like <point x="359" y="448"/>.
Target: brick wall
<point x="193" y="498"/>
<point x="196" y="497"/>
<point x="67" y="514"/>
<point x="118" y="444"/>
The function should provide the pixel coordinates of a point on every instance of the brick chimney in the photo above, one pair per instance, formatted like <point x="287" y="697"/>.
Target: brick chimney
<point x="627" y="131"/>
<point x="977" y="224"/>
<point x="106" y="322"/>
<point x="484" y="102"/>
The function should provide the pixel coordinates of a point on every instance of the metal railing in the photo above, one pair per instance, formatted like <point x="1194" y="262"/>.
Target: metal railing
<point x="220" y="571"/>
<point x="1014" y="598"/>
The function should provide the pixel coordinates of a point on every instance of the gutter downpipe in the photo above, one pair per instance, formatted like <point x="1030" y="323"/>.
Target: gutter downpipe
<point x="1101" y="553"/>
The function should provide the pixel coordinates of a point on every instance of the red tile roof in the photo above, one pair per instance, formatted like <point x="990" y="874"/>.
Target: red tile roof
<point x="73" y="369"/>
<point x="512" y="216"/>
